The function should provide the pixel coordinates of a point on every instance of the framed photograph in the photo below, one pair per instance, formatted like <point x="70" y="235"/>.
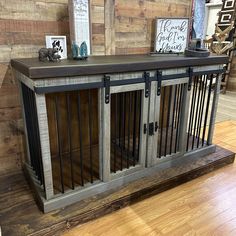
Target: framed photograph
<point x="79" y="15"/>
<point x="172" y="34"/>
<point x="58" y="42"/>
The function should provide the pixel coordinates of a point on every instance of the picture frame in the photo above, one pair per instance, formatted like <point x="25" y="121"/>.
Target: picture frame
<point x="171" y="34"/>
<point x="59" y="42"/>
<point x="80" y="23"/>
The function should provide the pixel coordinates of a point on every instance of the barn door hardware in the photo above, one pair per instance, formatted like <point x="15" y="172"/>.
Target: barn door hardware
<point x="146" y="76"/>
<point x="106" y="81"/>
<point x="151" y="128"/>
<point x="190" y="74"/>
<point x="159" y="78"/>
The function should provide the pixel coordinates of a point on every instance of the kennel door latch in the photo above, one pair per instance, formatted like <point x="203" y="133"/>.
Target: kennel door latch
<point x="107" y="88"/>
<point x="146" y="76"/>
<point x="159" y="78"/>
<point x="150" y="128"/>
<point x="190" y="73"/>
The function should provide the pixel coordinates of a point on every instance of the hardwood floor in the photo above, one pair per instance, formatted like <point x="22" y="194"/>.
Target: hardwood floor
<point x="204" y="206"/>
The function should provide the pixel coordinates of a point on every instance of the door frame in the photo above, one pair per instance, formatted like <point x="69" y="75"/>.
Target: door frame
<point x="105" y="131"/>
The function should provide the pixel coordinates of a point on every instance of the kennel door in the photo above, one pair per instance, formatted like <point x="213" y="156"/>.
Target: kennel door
<point x="124" y="139"/>
<point x="168" y="117"/>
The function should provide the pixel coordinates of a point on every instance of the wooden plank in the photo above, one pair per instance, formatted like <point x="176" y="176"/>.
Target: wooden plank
<point x="20" y="215"/>
<point x="10" y="113"/>
<point x="18" y="51"/>
<point x="9" y="96"/>
<point x="97" y="15"/>
<point x="152" y="9"/>
<point x="11" y="137"/>
<point x="134" y="50"/>
<point x="34" y="69"/>
<point x="98" y="28"/>
<point x="98" y="39"/>
<point x="11" y="163"/>
<point x="214" y="109"/>
<point x="130" y="24"/>
<point x="109" y="27"/>
<point x="45" y="145"/>
<point x="34" y="10"/>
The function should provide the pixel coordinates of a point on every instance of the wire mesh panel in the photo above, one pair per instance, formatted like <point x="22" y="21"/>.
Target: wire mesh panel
<point x="199" y="112"/>
<point x="33" y="131"/>
<point x="74" y="142"/>
<point x="125" y="129"/>
<point x="169" y="120"/>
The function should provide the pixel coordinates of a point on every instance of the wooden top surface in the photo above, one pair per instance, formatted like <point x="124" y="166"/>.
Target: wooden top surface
<point x="34" y="69"/>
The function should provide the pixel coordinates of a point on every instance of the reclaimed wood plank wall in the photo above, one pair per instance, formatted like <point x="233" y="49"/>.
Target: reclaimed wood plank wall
<point x="118" y="27"/>
<point x="23" y="26"/>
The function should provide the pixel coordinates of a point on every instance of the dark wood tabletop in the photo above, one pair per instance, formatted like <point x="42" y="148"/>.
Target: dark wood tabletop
<point x="35" y="69"/>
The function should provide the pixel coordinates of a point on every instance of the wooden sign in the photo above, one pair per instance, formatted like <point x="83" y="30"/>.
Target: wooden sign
<point x="80" y="22"/>
<point x="226" y="16"/>
<point x="171" y="34"/>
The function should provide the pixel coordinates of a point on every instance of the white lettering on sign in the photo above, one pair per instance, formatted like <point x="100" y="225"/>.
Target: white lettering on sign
<point x="171" y="35"/>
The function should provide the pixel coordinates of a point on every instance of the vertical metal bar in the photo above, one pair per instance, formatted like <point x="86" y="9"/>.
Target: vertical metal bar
<point x="69" y="139"/>
<point x="129" y="116"/>
<point x="191" y="111"/>
<point x="179" y="115"/>
<point x="201" y="108"/>
<point x="90" y="135"/>
<point x="124" y="119"/>
<point x="122" y="128"/>
<point x="80" y="139"/>
<point x="206" y="110"/>
<point x="139" y="122"/>
<point x="134" y="125"/>
<point x="120" y="118"/>
<point x="162" y="119"/>
<point x="196" y="114"/>
<point x="116" y="114"/>
<point x="173" y="118"/>
<point x="37" y="139"/>
<point x="28" y="123"/>
<point x="168" y="118"/>
<point x="177" y="105"/>
<point x="57" y="116"/>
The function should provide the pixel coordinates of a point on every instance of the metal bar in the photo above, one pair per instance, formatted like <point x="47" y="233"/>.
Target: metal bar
<point x="116" y="114"/>
<point x="162" y="118"/>
<point x="121" y="128"/>
<point x="37" y="138"/>
<point x="196" y="114"/>
<point x="168" y="118"/>
<point x="191" y="111"/>
<point x="28" y="122"/>
<point x="69" y="132"/>
<point x="179" y="115"/>
<point x="120" y="118"/>
<point x="206" y="110"/>
<point x="59" y="142"/>
<point x="80" y="139"/>
<point x="173" y="118"/>
<point x="124" y="121"/>
<point x="201" y="108"/>
<point x="134" y="125"/>
<point x="129" y="120"/>
<point x="177" y="105"/>
<point x="90" y="135"/>
<point x="139" y="123"/>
